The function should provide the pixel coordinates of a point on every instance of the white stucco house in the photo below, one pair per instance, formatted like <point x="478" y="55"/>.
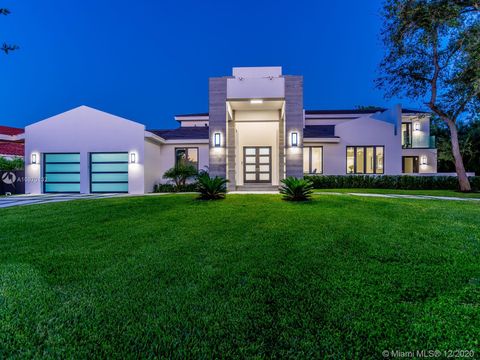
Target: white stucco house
<point x="256" y="133"/>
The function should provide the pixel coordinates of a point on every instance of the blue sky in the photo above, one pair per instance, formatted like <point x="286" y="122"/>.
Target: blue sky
<point x="148" y="60"/>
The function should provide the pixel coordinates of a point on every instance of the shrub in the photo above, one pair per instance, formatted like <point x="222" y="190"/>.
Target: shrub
<point x="294" y="189"/>
<point x="211" y="188"/>
<point x="11" y="165"/>
<point x="403" y="182"/>
<point x="180" y="174"/>
<point x="170" y="188"/>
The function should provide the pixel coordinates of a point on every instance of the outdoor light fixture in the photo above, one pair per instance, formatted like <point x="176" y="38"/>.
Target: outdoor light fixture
<point x="256" y="101"/>
<point x="133" y="158"/>
<point x="216" y="139"/>
<point x="294" y="139"/>
<point x="416" y="126"/>
<point x="34" y="158"/>
<point x="423" y="160"/>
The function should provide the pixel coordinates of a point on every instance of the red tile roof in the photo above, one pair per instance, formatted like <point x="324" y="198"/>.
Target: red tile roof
<point x="7" y="130"/>
<point x="11" y="148"/>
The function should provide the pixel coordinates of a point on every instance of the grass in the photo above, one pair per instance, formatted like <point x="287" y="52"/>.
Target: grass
<point x="448" y="193"/>
<point x="249" y="276"/>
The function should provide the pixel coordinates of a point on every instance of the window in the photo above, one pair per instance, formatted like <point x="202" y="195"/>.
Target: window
<point x="365" y="159"/>
<point x="185" y="156"/>
<point x="406" y="135"/>
<point x="313" y="160"/>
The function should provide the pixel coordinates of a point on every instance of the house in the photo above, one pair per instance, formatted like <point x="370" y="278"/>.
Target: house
<point x="255" y="133"/>
<point x="11" y="142"/>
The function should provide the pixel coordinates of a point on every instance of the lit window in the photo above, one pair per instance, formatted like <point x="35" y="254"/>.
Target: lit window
<point x="184" y="156"/>
<point x="313" y="160"/>
<point x="365" y="160"/>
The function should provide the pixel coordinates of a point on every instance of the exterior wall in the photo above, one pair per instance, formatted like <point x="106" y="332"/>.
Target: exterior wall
<point x="363" y="131"/>
<point x="84" y="130"/>
<point x="421" y="137"/>
<point x="217" y="99"/>
<point x="153" y="160"/>
<point x="294" y="122"/>
<point x="259" y="82"/>
<point x="167" y="158"/>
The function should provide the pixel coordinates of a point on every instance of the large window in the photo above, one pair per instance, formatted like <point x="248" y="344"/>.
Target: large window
<point x="406" y="135"/>
<point x="184" y="156"/>
<point x="313" y="160"/>
<point x="365" y="159"/>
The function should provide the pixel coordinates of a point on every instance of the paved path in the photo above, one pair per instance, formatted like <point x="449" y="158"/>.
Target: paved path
<point x="21" y="200"/>
<point x="402" y="196"/>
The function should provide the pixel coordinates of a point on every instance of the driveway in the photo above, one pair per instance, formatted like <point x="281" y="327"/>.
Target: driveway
<point x="21" y="200"/>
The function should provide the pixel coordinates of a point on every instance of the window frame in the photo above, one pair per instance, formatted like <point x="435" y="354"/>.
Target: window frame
<point x="365" y="159"/>
<point x="310" y="160"/>
<point x="409" y="126"/>
<point x="186" y="148"/>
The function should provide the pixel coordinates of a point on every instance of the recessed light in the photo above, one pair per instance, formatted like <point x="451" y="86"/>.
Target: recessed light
<point x="256" y="101"/>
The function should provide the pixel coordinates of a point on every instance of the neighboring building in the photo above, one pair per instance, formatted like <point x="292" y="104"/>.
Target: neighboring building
<point x="11" y="142"/>
<point x="255" y="134"/>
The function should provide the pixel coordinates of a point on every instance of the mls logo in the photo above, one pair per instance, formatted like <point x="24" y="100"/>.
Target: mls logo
<point x="9" y="178"/>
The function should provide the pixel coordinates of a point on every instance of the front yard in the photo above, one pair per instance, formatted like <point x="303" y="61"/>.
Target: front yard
<point x="248" y="276"/>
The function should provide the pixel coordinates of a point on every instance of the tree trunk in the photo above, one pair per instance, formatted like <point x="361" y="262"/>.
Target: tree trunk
<point x="457" y="156"/>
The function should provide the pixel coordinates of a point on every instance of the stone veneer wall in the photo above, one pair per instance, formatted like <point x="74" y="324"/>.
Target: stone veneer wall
<point x="217" y="98"/>
<point x="294" y="122"/>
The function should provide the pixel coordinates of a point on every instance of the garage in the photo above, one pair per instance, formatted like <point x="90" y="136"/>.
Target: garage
<point x="109" y="172"/>
<point x="61" y="173"/>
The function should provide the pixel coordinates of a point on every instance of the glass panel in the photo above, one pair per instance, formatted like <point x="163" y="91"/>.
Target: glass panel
<point x="264" y="177"/>
<point x="250" y="177"/>
<point x="250" y="151"/>
<point x="264" y="151"/>
<point x="360" y="160"/>
<point x="110" y="177"/>
<point x="350" y="160"/>
<point x="62" y="177"/>
<point x="62" y="168"/>
<point x="180" y="156"/>
<point x="123" y="187"/>
<point x="264" y="168"/>
<point x="306" y="160"/>
<point x="193" y="156"/>
<point x="250" y="168"/>
<point x="317" y="160"/>
<point x="109" y="167"/>
<point x="250" y="159"/>
<point x="62" y="157"/>
<point x="379" y="151"/>
<point x="264" y="159"/>
<point x="370" y="161"/>
<point x="110" y="157"/>
<point x="406" y="135"/>
<point x="49" y="187"/>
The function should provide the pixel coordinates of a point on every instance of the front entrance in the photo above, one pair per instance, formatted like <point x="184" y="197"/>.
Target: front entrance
<point x="257" y="164"/>
<point x="410" y="164"/>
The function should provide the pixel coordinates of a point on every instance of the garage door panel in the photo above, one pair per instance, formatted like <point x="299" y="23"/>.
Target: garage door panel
<point x="61" y="172"/>
<point x="109" y="172"/>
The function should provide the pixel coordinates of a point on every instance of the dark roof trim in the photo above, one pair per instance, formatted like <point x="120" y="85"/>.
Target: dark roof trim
<point x="192" y="115"/>
<point x="184" y="133"/>
<point x="319" y="131"/>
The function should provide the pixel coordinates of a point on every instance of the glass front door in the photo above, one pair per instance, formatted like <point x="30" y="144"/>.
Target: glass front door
<point x="410" y="164"/>
<point x="257" y="164"/>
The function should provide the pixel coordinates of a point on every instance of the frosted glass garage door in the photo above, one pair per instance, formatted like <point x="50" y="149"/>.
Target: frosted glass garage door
<point x="61" y="173"/>
<point x="109" y="172"/>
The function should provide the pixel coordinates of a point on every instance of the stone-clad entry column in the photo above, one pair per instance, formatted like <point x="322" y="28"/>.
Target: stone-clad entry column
<point x="294" y="123"/>
<point x="217" y="108"/>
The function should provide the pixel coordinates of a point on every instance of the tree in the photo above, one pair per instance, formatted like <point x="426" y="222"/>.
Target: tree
<point x="6" y="48"/>
<point x="180" y="174"/>
<point x="11" y="165"/>
<point x="433" y="54"/>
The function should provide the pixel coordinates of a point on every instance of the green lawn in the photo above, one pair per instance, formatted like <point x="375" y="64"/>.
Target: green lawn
<point x="449" y="193"/>
<point x="250" y="276"/>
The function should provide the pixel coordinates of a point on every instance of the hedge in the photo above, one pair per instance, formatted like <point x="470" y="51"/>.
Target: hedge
<point x="167" y="188"/>
<point x="404" y="182"/>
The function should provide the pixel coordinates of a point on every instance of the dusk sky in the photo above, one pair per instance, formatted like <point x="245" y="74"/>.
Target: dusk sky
<point x="149" y="60"/>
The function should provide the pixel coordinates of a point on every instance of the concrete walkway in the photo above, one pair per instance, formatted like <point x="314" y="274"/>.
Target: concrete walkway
<point x="401" y="196"/>
<point x="21" y="200"/>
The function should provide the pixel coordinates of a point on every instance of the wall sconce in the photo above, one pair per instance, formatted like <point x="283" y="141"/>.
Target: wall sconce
<point x="423" y="160"/>
<point x="216" y="139"/>
<point x="133" y="158"/>
<point x="294" y="139"/>
<point x="34" y="158"/>
<point x="416" y="125"/>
